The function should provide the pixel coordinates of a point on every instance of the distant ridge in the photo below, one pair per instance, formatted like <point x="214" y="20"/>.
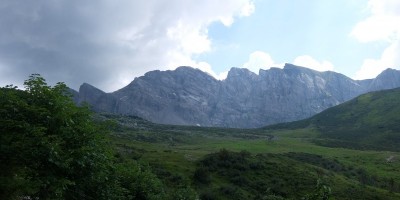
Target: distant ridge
<point x="370" y="121"/>
<point x="188" y="96"/>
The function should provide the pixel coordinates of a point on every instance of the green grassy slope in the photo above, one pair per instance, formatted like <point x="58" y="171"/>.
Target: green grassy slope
<point x="255" y="164"/>
<point x="283" y="161"/>
<point x="370" y="121"/>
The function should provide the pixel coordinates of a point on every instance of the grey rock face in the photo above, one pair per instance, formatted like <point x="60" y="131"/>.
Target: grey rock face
<point x="388" y="79"/>
<point x="183" y="96"/>
<point x="188" y="96"/>
<point x="97" y="99"/>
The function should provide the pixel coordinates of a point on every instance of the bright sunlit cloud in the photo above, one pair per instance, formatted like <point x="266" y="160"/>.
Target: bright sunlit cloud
<point x="390" y="58"/>
<point x="383" y="25"/>
<point x="309" y="62"/>
<point x="260" y="60"/>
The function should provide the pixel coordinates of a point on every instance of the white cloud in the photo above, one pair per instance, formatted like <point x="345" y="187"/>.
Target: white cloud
<point x="309" y="62"/>
<point x="382" y="25"/>
<point x="247" y="9"/>
<point x="177" y="59"/>
<point x="184" y="33"/>
<point x="379" y="27"/>
<point x="260" y="60"/>
<point x="205" y="67"/>
<point x="263" y="60"/>
<point x="108" y="43"/>
<point x="192" y="40"/>
<point x="371" y="68"/>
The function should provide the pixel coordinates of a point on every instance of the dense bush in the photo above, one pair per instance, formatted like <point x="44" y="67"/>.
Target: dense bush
<point x="252" y="175"/>
<point x="52" y="149"/>
<point x="202" y="175"/>
<point x="357" y="174"/>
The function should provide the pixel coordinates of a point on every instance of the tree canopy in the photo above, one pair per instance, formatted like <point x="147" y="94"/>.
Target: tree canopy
<point x="51" y="149"/>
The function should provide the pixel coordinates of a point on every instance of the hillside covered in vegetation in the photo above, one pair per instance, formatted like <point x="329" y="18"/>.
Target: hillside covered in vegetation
<point x="370" y="121"/>
<point x="52" y="149"/>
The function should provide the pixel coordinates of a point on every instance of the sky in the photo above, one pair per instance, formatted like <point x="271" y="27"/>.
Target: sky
<point x="107" y="43"/>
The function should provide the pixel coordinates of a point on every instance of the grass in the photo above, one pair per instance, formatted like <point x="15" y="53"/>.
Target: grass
<point x="352" y="148"/>
<point x="368" y="122"/>
<point x="176" y="151"/>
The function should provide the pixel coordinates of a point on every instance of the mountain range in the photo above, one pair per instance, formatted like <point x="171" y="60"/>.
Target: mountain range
<point x="188" y="96"/>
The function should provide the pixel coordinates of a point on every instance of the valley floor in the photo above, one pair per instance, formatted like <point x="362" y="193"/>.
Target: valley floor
<point x="259" y="164"/>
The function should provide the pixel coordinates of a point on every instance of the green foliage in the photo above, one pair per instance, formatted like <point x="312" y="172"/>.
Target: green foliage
<point x="368" y="122"/>
<point x="268" y="195"/>
<point x="52" y="149"/>
<point x="356" y="173"/>
<point x="183" y="193"/>
<point x="139" y="182"/>
<point x="202" y="175"/>
<point x="250" y="166"/>
<point x="246" y="175"/>
<point x="318" y="160"/>
<point x="321" y="192"/>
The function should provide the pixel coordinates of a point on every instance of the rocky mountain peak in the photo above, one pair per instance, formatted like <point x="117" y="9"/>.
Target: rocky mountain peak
<point x="87" y="86"/>
<point x="187" y="70"/>
<point x="188" y="96"/>
<point x="236" y="71"/>
<point x="389" y="78"/>
<point x="99" y="100"/>
<point x="294" y="69"/>
<point x="192" y="73"/>
<point x="87" y="91"/>
<point x="236" y="74"/>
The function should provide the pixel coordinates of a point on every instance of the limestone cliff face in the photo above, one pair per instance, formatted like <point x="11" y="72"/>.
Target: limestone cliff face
<point x="97" y="99"/>
<point x="184" y="96"/>
<point x="281" y="95"/>
<point x="188" y="96"/>
<point x="388" y="79"/>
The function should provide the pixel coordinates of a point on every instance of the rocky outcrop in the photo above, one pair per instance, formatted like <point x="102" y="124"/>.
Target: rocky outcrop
<point x="188" y="96"/>
<point x="184" y="96"/>
<point x="388" y="79"/>
<point x="97" y="99"/>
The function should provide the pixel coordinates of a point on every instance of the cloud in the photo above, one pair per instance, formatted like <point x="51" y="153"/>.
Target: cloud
<point x="260" y="59"/>
<point x="309" y="62"/>
<point x="382" y="25"/>
<point x="106" y="43"/>
<point x="205" y="67"/>
<point x="390" y="58"/>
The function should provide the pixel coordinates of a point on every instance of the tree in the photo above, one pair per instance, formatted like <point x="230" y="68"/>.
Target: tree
<point x="321" y="192"/>
<point x="202" y="175"/>
<point x="50" y="148"/>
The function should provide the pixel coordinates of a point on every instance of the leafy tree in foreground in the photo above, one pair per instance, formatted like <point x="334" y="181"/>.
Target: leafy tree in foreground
<point x="51" y="149"/>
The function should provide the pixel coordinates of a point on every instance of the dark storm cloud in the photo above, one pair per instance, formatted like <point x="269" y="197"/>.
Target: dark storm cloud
<point x="102" y="42"/>
<point x="62" y="40"/>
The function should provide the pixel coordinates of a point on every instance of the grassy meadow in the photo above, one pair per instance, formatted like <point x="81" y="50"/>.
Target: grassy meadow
<point x="220" y="163"/>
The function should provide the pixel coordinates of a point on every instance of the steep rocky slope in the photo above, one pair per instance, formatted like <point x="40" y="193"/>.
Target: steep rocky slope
<point x="188" y="96"/>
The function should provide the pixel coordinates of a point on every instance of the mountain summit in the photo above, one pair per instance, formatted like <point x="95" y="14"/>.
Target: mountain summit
<point x="188" y="96"/>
